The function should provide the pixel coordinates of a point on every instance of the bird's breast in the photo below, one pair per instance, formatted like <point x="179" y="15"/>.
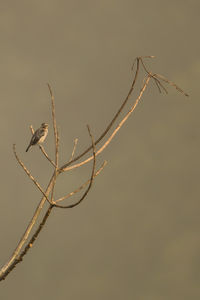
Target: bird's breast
<point x="43" y="137"/>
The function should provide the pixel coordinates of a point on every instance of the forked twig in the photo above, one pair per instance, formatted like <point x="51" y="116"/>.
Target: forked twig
<point x="56" y="138"/>
<point x="17" y="256"/>
<point x="91" y="178"/>
<point x="160" y="86"/>
<point x="139" y="58"/>
<point x="171" y="83"/>
<point x="16" y="259"/>
<point x="156" y="76"/>
<point x="83" y="185"/>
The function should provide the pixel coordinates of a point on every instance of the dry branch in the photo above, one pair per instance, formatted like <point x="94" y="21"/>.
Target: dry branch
<point x="18" y="253"/>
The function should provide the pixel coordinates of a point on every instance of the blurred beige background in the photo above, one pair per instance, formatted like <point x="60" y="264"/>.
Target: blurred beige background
<point x="136" y="236"/>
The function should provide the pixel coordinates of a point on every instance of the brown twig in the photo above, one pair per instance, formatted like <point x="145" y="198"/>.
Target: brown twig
<point x="16" y="258"/>
<point x="139" y="58"/>
<point x="31" y="129"/>
<point x="156" y="76"/>
<point x="74" y="149"/>
<point x="56" y="138"/>
<point x="29" y="174"/>
<point x="46" y="155"/>
<point x="160" y="86"/>
<point x="54" y="125"/>
<point x="91" y="178"/>
<point x="83" y="185"/>
<point x="171" y="83"/>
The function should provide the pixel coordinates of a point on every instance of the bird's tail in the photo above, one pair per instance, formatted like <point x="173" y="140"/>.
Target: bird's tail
<point x="28" y="147"/>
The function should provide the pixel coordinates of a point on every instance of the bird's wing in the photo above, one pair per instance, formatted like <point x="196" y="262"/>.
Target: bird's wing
<point x="42" y="132"/>
<point x="36" y="137"/>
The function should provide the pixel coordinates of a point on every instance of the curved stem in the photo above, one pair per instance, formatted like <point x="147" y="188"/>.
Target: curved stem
<point x="112" y="121"/>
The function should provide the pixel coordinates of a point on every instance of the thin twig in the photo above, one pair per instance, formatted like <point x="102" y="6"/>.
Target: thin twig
<point x="74" y="149"/>
<point x="31" y="129"/>
<point x="29" y="174"/>
<point x="171" y="83"/>
<point x="83" y="185"/>
<point x="91" y="178"/>
<point x="160" y="85"/>
<point x="54" y="125"/>
<point x="156" y="76"/>
<point x="46" y="155"/>
<point x="56" y="138"/>
<point x="140" y="58"/>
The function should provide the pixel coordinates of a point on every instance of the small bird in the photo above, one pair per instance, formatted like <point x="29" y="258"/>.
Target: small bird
<point x="39" y="135"/>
